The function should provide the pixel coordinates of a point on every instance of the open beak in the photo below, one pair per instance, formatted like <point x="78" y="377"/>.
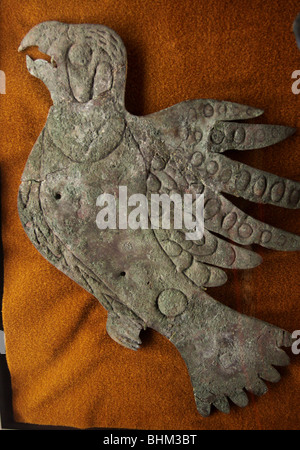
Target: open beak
<point x="50" y="38"/>
<point x="43" y="35"/>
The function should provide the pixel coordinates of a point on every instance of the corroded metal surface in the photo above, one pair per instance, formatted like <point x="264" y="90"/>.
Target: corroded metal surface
<point x="296" y="29"/>
<point x="153" y="277"/>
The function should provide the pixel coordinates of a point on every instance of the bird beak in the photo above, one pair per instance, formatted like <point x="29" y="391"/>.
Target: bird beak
<point x="50" y="38"/>
<point x="37" y="36"/>
<point x="43" y="35"/>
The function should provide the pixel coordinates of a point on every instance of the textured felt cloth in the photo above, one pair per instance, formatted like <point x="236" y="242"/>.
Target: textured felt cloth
<point x="65" y="369"/>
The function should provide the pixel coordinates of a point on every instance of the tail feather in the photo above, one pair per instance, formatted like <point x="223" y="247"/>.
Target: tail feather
<point x="228" y="353"/>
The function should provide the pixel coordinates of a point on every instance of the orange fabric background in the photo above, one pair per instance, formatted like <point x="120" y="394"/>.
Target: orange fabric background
<point x="65" y="369"/>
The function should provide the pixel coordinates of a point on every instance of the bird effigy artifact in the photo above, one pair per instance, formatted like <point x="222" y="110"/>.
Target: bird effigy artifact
<point x="91" y="152"/>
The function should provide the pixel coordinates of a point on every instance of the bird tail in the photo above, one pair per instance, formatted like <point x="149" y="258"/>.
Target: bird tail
<point x="227" y="353"/>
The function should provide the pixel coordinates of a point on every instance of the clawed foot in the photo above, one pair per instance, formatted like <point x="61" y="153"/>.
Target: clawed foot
<point x="124" y="327"/>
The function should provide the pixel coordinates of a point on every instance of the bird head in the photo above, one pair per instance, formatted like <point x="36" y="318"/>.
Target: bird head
<point x="88" y="62"/>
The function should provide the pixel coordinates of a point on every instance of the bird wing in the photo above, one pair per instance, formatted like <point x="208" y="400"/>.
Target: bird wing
<point x="195" y="134"/>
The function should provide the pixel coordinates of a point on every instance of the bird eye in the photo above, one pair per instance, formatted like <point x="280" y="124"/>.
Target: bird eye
<point x="80" y="55"/>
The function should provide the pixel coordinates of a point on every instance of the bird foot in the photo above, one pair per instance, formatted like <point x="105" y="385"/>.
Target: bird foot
<point x="124" y="329"/>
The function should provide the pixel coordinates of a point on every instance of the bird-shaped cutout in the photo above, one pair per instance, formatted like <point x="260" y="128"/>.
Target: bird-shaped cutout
<point x="153" y="277"/>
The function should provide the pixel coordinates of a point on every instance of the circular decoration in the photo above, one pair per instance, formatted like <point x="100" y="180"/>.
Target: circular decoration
<point x="172" y="302"/>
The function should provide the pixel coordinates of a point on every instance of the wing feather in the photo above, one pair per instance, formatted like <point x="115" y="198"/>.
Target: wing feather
<point x="187" y="162"/>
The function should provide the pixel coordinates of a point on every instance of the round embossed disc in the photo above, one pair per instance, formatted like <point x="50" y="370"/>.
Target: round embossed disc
<point x="172" y="302"/>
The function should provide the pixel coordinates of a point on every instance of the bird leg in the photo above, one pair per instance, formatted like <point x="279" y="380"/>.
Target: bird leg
<point x="123" y="326"/>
